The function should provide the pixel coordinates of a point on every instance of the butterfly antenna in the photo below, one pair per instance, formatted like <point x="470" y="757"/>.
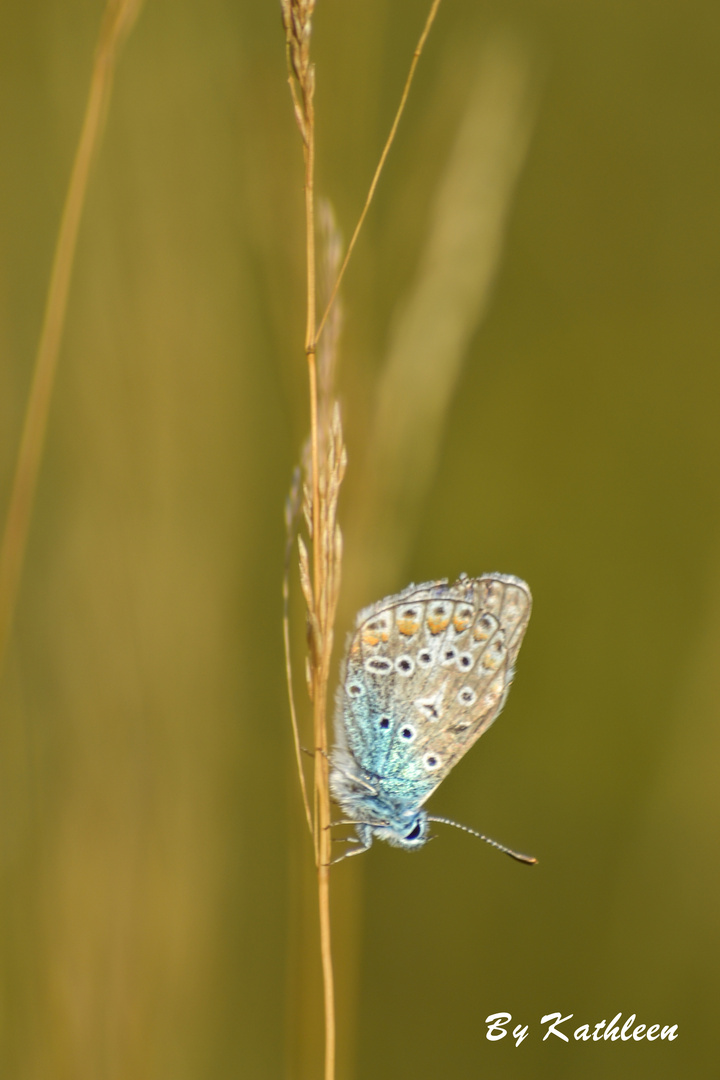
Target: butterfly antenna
<point x="529" y="859"/>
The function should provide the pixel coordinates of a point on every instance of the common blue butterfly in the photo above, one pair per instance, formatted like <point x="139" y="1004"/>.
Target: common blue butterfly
<point x="425" y="674"/>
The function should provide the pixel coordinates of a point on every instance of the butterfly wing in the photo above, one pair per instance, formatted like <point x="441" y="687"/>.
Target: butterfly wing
<point x="480" y="660"/>
<point x="379" y="682"/>
<point x="426" y="673"/>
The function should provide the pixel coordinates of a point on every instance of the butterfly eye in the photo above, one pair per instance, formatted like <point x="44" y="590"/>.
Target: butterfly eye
<point x="414" y="832"/>
<point x="408" y="734"/>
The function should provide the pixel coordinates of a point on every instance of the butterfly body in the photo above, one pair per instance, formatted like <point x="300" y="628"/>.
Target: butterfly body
<point x="426" y="672"/>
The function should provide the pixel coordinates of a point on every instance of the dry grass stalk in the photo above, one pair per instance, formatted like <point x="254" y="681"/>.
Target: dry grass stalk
<point x="323" y="477"/>
<point x="381" y="163"/>
<point x="118" y="20"/>
<point x="324" y="466"/>
<point x="292" y="510"/>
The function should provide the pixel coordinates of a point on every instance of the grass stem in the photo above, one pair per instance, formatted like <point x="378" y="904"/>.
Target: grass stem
<point x="118" y="19"/>
<point x="381" y="163"/>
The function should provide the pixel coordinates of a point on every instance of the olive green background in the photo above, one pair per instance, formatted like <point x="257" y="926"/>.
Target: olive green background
<point x="156" y="909"/>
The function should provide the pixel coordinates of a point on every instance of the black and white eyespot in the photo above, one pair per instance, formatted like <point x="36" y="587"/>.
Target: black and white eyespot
<point x="425" y="659"/>
<point x="494" y="654"/>
<point x="484" y="627"/>
<point x="448" y="656"/>
<point x="431" y="707"/>
<point x="438" y="615"/>
<point x="384" y="723"/>
<point x="378" y="665"/>
<point x="467" y="696"/>
<point x="405" y="665"/>
<point x="408" y="618"/>
<point x="407" y="733"/>
<point x="432" y="762"/>
<point x="465" y="661"/>
<point x="463" y="617"/>
<point x="354" y="689"/>
<point x="379" y="624"/>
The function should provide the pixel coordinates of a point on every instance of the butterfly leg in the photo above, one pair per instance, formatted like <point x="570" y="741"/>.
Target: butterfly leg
<point x="349" y="854"/>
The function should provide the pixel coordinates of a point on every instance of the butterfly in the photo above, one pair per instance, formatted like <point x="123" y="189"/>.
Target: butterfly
<point x="425" y="674"/>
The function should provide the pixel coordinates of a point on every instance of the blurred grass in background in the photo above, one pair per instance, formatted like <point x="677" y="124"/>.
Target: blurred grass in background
<point x="155" y="914"/>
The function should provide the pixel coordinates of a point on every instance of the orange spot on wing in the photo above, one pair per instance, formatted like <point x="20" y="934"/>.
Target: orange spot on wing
<point x="436" y="623"/>
<point x="490" y="660"/>
<point x="408" y="626"/>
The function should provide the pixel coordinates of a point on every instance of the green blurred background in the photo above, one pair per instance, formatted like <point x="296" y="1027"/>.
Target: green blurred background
<point x="157" y="917"/>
